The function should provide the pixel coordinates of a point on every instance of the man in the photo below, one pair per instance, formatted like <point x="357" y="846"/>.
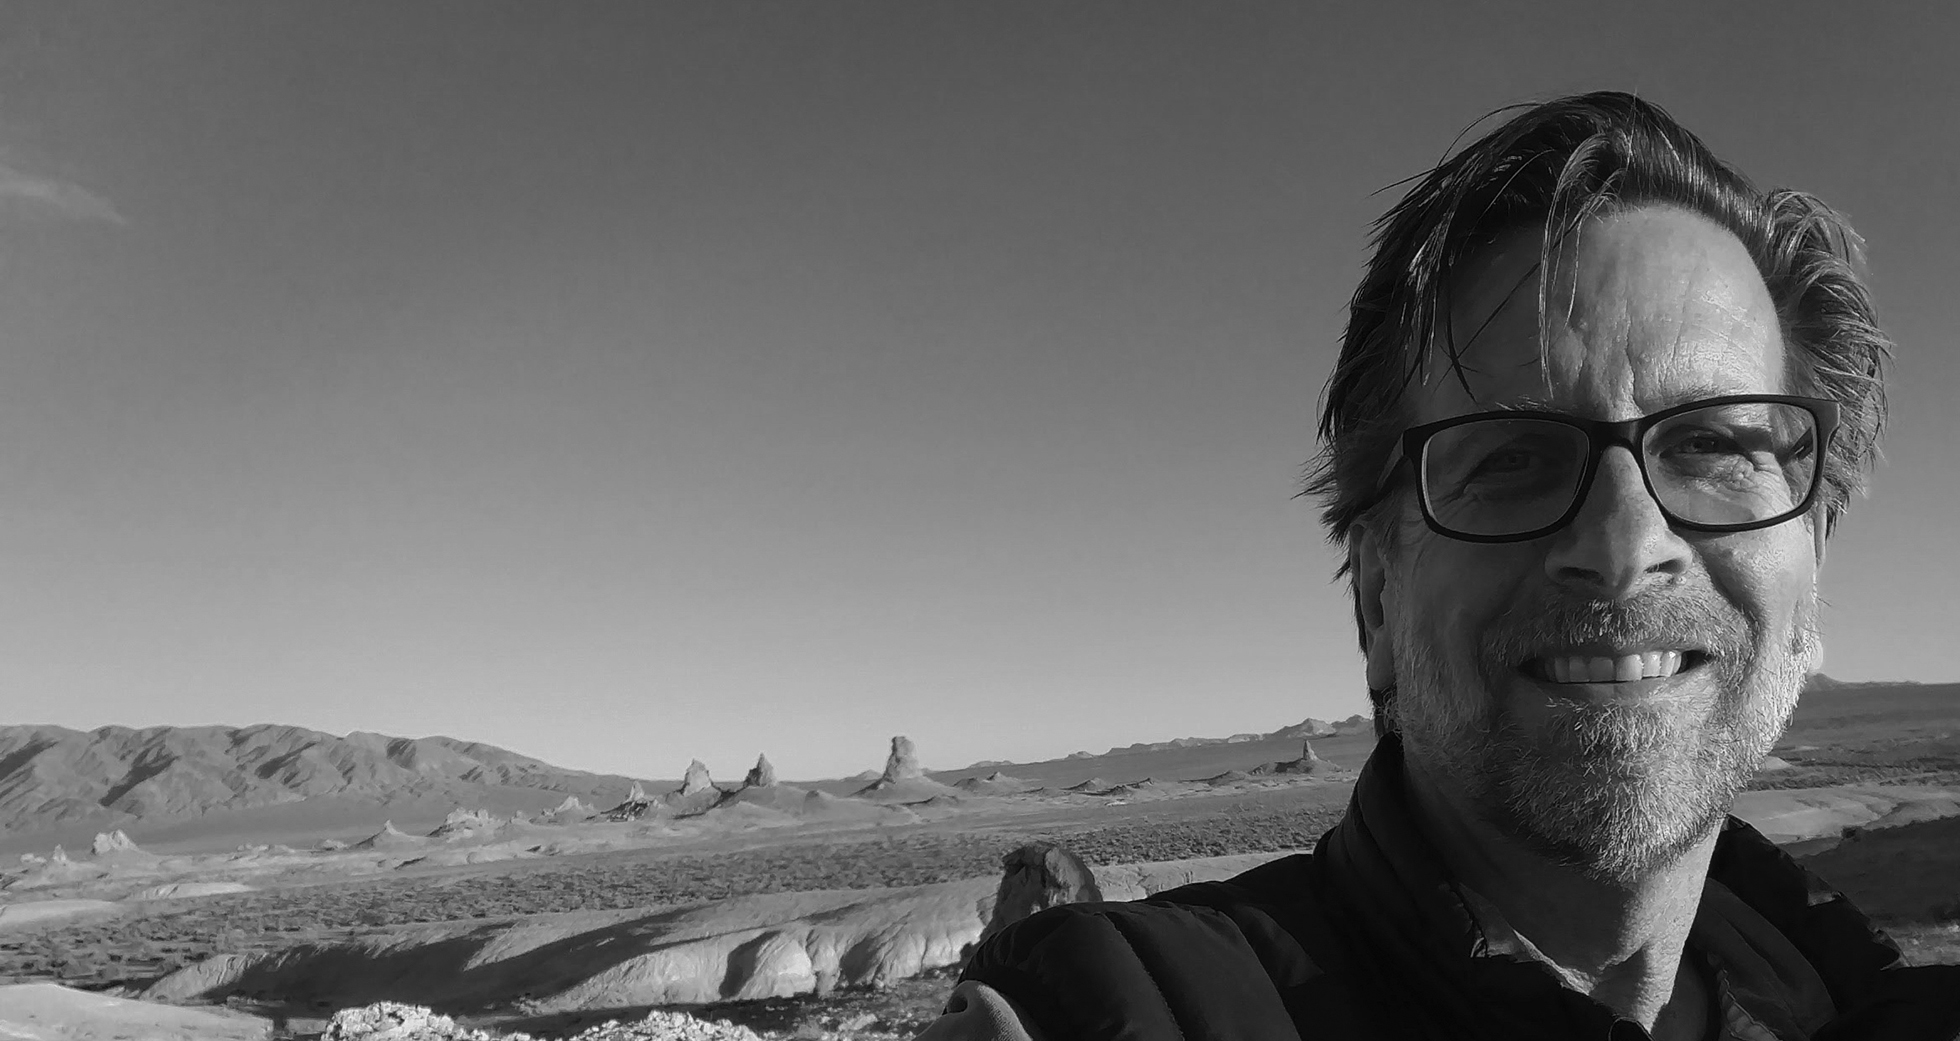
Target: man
<point x="1599" y="405"/>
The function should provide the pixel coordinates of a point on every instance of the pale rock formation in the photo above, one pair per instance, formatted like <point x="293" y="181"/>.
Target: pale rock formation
<point x="775" y="944"/>
<point x="59" y="856"/>
<point x="1308" y="764"/>
<point x="903" y="762"/>
<point x="394" y="1021"/>
<point x="697" y="779"/>
<point x="460" y="819"/>
<point x="390" y="837"/>
<point x="570" y="810"/>
<point x="1038" y="876"/>
<point x="182" y="890"/>
<point x="762" y="774"/>
<point x="108" y="842"/>
<point x="638" y="794"/>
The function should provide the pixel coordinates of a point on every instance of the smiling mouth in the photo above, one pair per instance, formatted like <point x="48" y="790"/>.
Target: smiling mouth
<point x="1629" y="667"/>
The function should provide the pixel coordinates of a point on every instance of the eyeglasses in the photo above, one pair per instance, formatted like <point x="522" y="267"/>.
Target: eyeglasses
<point x="1723" y="464"/>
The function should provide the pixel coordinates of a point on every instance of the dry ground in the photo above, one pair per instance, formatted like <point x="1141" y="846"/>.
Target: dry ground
<point x="154" y="940"/>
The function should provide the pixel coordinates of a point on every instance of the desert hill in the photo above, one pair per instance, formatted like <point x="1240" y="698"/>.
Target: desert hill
<point x="267" y="781"/>
<point x="54" y="777"/>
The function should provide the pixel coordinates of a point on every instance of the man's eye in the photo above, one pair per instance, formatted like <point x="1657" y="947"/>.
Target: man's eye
<point x="1704" y="444"/>
<point x="1509" y="461"/>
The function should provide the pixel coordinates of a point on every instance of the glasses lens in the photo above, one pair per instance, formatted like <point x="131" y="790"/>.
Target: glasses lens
<point x="1502" y="476"/>
<point x="1738" y="463"/>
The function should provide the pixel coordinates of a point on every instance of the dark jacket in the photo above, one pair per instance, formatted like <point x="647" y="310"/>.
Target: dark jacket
<point x="1368" y="938"/>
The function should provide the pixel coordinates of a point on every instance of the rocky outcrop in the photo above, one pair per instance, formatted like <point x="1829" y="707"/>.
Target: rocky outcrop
<point x="904" y="781"/>
<point x="394" y="1021"/>
<point x="903" y="762"/>
<point x="761" y="775"/>
<point x="1035" y="877"/>
<point x="572" y="809"/>
<point x="1308" y="764"/>
<point x="741" y="948"/>
<point x="109" y="842"/>
<point x="390" y="837"/>
<point x="696" y="779"/>
<point x="468" y="824"/>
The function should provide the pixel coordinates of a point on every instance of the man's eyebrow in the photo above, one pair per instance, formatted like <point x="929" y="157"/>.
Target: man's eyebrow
<point x="1676" y="396"/>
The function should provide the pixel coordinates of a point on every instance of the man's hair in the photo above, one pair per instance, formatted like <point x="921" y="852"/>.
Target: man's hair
<point x="1559" y="164"/>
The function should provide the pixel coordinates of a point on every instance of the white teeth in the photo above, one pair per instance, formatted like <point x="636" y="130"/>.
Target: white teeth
<point x="1623" y="669"/>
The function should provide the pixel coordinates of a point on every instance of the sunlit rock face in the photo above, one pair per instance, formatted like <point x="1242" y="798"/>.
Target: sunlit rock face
<point x="109" y="842"/>
<point x="762" y="774"/>
<point x="903" y="762"/>
<point x="697" y="779"/>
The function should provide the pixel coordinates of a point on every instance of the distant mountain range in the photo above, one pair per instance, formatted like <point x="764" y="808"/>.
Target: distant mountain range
<point x="1306" y="729"/>
<point x="57" y="778"/>
<point x="53" y="776"/>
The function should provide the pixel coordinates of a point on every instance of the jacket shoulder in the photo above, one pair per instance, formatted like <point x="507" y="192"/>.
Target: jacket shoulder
<point x="1221" y="960"/>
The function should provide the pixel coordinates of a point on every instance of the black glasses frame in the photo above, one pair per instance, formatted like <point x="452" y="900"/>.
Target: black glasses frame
<point x="1604" y="434"/>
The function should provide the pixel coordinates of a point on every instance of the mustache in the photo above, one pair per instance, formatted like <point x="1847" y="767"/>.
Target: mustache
<point x="1694" y="617"/>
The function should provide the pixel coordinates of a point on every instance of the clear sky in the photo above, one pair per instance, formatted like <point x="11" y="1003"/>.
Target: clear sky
<point x="628" y="383"/>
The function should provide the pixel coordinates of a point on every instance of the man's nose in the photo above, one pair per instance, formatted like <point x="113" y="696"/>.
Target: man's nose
<point x="1620" y="543"/>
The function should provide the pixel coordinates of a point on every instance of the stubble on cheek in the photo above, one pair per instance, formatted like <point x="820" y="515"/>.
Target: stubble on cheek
<point x="1608" y="788"/>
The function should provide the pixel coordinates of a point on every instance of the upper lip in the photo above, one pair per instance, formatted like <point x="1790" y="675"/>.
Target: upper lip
<point x="1610" y="650"/>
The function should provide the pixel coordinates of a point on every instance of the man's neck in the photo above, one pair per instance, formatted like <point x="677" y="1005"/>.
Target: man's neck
<point x="1620" y="944"/>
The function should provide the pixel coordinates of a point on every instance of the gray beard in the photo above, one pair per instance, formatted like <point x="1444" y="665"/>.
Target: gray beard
<point x="1614" y="791"/>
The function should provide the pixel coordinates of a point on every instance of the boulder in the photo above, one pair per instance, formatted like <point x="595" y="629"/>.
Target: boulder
<point x="571" y="809"/>
<point x="469" y="824"/>
<point x="1038" y="876"/>
<point x="697" y="779"/>
<point x="393" y="1021"/>
<point x="903" y="762"/>
<point x="762" y="774"/>
<point x="108" y="842"/>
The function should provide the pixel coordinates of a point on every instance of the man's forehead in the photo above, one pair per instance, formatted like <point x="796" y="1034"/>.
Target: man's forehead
<point x="1649" y="307"/>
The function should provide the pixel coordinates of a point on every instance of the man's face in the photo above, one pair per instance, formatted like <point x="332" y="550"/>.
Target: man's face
<point x="1497" y="648"/>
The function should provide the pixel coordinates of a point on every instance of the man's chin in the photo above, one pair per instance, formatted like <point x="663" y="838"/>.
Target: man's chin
<point x="1612" y="822"/>
<point x="1614" y="789"/>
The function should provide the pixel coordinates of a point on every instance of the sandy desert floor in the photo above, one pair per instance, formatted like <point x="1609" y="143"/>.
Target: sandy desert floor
<point x="1876" y="811"/>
